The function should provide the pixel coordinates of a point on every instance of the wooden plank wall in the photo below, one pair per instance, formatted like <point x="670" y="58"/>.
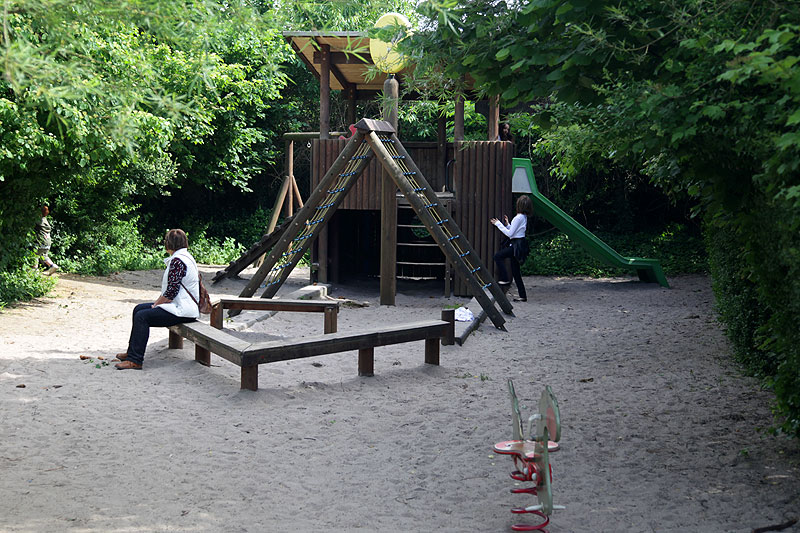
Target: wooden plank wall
<point x="366" y="192"/>
<point x="481" y="177"/>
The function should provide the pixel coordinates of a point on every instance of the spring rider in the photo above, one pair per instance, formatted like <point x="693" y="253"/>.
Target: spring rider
<point x="531" y="455"/>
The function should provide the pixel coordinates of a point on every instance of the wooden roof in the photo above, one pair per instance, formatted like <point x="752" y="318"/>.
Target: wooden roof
<point x="350" y="60"/>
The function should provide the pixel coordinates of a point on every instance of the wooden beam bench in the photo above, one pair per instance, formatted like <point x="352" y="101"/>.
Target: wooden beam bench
<point x="211" y="339"/>
<point x="204" y="339"/>
<point x="365" y="341"/>
<point x="329" y="308"/>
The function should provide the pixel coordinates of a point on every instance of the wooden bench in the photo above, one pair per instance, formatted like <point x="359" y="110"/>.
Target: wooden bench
<point x="209" y="338"/>
<point x="329" y="308"/>
<point x="207" y="341"/>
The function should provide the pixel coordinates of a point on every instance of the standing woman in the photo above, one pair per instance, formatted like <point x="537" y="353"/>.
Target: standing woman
<point x="516" y="248"/>
<point x="180" y="292"/>
<point x="43" y="240"/>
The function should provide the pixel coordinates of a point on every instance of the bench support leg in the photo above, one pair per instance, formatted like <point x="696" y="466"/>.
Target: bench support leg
<point x="175" y="341"/>
<point x="216" y="316"/>
<point x="250" y="377"/>
<point x="331" y="317"/>
<point x="202" y="355"/>
<point x="366" y="362"/>
<point x="432" y="351"/>
<point x="449" y="316"/>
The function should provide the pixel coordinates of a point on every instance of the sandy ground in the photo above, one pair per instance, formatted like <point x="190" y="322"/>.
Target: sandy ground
<point x="660" y="433"/>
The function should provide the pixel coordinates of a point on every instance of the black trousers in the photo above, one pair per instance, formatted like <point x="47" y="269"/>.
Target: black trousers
<point x="507" y="252"/>
<point x="146" y="316"/>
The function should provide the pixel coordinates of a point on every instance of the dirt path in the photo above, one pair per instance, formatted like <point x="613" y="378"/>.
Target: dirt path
<point x="660" y="431"/>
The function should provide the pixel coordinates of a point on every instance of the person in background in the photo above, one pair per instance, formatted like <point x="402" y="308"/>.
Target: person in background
<point x="177" y="303"/>
<point x="43" y="241"/>
<point x="505" y="133"/>
<point x="515" y="248"/>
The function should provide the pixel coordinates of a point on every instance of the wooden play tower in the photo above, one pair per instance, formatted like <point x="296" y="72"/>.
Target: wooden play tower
<point x="376" y="140"/>
<point x="375" y="231"/>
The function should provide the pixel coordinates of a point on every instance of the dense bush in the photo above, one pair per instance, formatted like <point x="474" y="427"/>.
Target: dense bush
<point x="679" y="249"/>
<point x="700" y="97"/>
<point x="23" y="284"/>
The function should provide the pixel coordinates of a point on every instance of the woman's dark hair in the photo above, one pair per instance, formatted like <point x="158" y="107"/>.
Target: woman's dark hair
<point x="524" y="205"/>
<point x="175" y="240"/>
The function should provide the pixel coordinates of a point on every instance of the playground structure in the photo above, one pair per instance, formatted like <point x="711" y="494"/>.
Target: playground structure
<point x="377" y="139"/>
<point x="530" y="451"/>
<point x="471" y="180"/>
<point x="648" y="270"/>
<point x="375" y="231"/>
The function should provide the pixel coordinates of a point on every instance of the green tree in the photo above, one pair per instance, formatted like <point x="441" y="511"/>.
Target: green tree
<point x="103" y="106"/>
<point x="700" y="96"/>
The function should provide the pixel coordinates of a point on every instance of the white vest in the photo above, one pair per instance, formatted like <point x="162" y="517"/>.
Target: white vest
<point x="182" y="304"/>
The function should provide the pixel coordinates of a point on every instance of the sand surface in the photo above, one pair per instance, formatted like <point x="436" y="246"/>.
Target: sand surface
<point x="661" y="432"/>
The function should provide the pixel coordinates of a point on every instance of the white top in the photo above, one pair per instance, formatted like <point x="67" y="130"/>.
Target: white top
<point x="182" y="304"/>
<point x="515" y="230"/>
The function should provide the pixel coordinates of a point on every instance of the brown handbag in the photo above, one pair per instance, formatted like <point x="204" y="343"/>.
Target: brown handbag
<point x="204" y="305"/>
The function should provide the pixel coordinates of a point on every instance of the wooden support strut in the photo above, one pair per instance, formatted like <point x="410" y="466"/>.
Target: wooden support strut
<point x="437" y="232"/>
<point x="254" y="252"/>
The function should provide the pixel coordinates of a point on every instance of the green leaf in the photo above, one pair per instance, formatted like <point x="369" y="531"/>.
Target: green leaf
<point x="794" y="118"/>
<point x="713" y="111"/>
<point x="565" y="8"/>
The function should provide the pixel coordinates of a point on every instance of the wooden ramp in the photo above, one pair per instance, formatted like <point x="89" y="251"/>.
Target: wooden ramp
<point x="377" y="138"/>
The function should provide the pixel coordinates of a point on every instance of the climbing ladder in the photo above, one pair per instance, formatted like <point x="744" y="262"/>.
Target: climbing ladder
<point x="373" y="138"/>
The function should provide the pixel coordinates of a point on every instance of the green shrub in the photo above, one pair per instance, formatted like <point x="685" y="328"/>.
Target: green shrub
<point x="23" y="284"/>
<point x="679" y="249"/>
<point x="213" y="251"/>
<point x="109" y="248"/>
<point x="756" y="280"/>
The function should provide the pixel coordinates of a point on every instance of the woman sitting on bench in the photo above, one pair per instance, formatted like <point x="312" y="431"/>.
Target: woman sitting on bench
<point x="177" y="303"/>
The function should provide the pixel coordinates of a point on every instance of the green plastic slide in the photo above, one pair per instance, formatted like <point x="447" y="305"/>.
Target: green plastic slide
<point x="523" y="181"/>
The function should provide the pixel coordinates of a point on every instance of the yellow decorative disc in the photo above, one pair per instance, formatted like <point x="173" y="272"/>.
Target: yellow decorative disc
<point x="384" y="55"/>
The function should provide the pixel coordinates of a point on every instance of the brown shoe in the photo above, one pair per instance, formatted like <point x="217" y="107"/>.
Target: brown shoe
<point x="121" y="356"/>
<point x="125" y="365"/>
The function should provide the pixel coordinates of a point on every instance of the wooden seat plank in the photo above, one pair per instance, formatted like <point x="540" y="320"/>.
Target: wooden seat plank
<point x="265" y="304"/>
<point x="283" y="350"/>
<point x="213" y="339"/>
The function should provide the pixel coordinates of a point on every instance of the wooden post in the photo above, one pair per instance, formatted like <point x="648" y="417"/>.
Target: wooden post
<point x="276" y="211"/>
<point x="432" y="351"/>
<point x="449" y="316"/>
<point x="175" y="341"/>
<point x="296" y="190"/>
<point x="202" y="355"/>
<point x="276" y="207"/>
<point x="391" y="91"/>
<point x="458" y="120"/>
<point x="216" y="315"/>
<point x="325" y="92"/>
<point x="366" y="362"/>
<point x="290" y="178"/>
<point x="351" y="106"/>
<point x="250" y="377"/>
<point x="494" y="118"/>
<point x="331" y="319"/>
<point x="441" y="151"/>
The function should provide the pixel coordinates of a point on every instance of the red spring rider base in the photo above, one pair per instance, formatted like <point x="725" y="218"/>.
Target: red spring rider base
<point x="532" y="456"/>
